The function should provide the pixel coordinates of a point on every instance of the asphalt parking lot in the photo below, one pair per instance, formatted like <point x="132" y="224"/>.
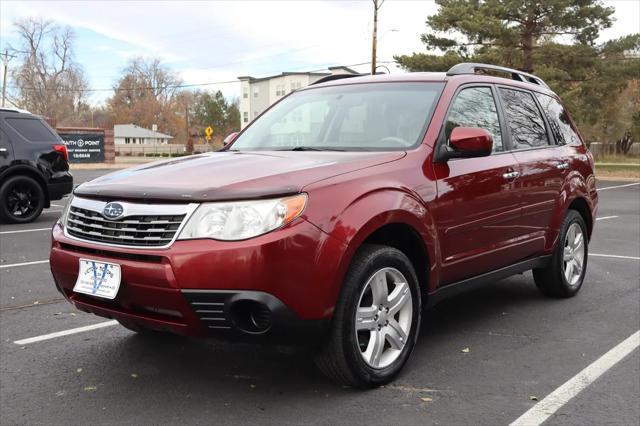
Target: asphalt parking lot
<point x="521" y="348"/>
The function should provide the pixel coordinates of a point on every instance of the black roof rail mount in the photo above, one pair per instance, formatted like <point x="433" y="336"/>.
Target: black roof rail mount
<point x="472" y="68"/>
<point x="335" y="77"/>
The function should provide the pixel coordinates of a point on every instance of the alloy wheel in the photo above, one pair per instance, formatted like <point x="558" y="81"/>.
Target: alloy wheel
<point x="383" y="317"/>
<point x="573" y="254"/>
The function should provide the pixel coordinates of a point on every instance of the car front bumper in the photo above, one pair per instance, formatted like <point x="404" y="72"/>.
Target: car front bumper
<point x="204" y="287"/>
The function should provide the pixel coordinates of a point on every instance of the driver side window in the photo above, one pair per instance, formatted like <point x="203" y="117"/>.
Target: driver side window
<point x="475" y="107"/>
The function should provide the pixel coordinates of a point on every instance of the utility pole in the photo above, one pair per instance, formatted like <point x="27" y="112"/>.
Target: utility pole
<point x="5" y="62"/>
<point x="377" y="4"/>
<point x="189" y="141"/>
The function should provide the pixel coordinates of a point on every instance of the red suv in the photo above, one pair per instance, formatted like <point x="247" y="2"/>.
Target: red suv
<point x="338" y="214"/>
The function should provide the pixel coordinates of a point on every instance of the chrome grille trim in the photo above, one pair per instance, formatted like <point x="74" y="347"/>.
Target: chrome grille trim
<point x="144" y="226"/>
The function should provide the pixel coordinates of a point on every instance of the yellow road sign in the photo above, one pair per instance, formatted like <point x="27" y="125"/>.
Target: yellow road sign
<point x="208" y="132"/>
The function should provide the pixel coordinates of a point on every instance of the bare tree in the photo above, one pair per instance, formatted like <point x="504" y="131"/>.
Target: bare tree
<point x="48" y="81"/>
<point x="146" y="94"/>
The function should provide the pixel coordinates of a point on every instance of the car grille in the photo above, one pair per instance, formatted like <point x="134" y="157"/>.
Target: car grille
<point x="135" y="230"/>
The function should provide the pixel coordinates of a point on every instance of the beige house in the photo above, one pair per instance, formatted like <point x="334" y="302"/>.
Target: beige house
<point x="132" y="134"/>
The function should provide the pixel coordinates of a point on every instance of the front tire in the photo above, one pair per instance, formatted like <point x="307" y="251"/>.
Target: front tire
<point x="565" y="273"/>
<point x="376" y="320"/>
<point x="21" y="200"/>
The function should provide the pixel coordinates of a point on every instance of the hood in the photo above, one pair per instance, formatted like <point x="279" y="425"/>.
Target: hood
<point x="230" y="175"/>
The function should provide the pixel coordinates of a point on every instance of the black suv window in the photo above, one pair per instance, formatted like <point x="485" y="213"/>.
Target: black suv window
<point x="31" y="129"/>
<point x="475" y="107"/>
<point x="524" y="118"/>
<point x="559" y="120"/>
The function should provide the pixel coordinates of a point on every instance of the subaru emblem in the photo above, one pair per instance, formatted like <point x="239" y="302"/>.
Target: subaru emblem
<point x="113" y="211"/>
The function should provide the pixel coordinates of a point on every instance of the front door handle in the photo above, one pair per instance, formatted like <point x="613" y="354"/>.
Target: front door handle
<point x="562" y="166"/>
<point x="511" y="175"/>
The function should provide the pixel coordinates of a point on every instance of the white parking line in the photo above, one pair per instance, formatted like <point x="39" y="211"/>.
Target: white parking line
<point x="606" y="217"/>
<point x="65" y="332"/>
<point x="618" y="186"/>
<point x="613" y="256"/>
<point x="559" y="397"/>
<point x="25" y="230"/>
<point x="13" y="265"/>
<point x="56" y="205"/>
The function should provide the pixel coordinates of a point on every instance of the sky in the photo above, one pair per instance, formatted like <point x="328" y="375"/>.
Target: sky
<point x="217" y="41"/>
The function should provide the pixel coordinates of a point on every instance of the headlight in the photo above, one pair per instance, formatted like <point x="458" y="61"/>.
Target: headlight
<point x="240" y="220"/>
<point x="62" y="221"/>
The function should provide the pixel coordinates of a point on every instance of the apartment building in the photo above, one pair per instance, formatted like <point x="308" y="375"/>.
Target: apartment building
<point x="257" y="94"/>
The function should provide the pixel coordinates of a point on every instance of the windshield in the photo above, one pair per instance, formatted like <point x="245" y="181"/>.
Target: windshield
<point x="375" y="116"/>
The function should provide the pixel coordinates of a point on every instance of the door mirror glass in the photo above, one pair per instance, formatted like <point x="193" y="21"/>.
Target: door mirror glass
<point x="467" y="142"/>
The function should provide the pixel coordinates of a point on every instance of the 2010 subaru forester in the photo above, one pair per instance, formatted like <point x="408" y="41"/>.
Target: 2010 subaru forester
<point x="338" y="214"/>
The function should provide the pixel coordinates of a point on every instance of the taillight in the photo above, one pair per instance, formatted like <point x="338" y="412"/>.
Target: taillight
<point x="62" y="149"/>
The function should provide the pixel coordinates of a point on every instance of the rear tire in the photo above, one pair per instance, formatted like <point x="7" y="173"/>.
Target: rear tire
<point x="565" y="273"/>
<point x="21" y="200"/>
<point x="376" y="320"/>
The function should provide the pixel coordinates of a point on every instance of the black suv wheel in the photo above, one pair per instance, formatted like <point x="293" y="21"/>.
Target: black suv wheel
<point x="21" y="200"/>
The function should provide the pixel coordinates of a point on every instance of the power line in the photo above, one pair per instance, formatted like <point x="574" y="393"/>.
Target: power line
<point x="166" y="87"/>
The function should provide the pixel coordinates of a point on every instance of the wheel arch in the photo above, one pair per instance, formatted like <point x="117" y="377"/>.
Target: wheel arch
<point x="21" y="170"/>
<point x="581" y="205"/>
<point x="405" y="238"/>
<point x="414" y="235"/>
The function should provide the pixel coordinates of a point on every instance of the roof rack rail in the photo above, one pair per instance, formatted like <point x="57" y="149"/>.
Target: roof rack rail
<point x="472" y="68"/>
<point x="335" y="77"/>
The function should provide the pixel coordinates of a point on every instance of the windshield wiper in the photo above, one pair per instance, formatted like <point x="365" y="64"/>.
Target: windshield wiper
<point x="312" y="148"/>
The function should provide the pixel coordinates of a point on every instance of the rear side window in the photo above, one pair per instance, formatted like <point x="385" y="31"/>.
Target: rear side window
<point x="475" y="107"/>
<point x="524" y="119"/>
<point x="32" y="129"/>
<point x="559" y="121"/>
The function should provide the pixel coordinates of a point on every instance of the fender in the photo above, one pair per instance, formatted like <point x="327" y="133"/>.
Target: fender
<point x="26" y="169"/>
<point x="574" y="187"/>
<point x="371" y="211"/>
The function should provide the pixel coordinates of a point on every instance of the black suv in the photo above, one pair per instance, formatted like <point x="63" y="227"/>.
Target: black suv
<point x="34" y="168"/>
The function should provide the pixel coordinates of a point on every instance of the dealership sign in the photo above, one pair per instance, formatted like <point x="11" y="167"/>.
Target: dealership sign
<point x="84" y="148"/>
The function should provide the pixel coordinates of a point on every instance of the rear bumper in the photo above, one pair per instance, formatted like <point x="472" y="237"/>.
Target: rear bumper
<point x="58" y="190"/>
<point x="281" y="281"/>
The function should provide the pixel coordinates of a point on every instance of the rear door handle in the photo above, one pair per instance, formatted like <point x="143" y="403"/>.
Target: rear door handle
<point x="511" y="175"/>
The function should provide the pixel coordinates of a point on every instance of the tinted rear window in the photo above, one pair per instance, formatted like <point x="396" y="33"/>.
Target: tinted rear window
<point x="524" y="119"/>
<point x="558" y="120"/>
<point x="32" y="129"/>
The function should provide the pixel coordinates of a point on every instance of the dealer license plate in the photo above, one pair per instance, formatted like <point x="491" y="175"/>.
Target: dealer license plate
<point x="100" y="279"/>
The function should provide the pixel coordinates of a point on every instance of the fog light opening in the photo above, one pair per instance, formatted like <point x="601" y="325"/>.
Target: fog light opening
<point x="251" y="316"/>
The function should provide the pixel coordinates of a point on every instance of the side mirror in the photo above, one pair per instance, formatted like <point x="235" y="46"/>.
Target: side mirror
<point x="468" y="142"/>
<point x="230" y="138"/>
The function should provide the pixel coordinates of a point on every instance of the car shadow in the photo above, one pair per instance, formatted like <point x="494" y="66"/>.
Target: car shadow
<point x="211" y="362"/>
